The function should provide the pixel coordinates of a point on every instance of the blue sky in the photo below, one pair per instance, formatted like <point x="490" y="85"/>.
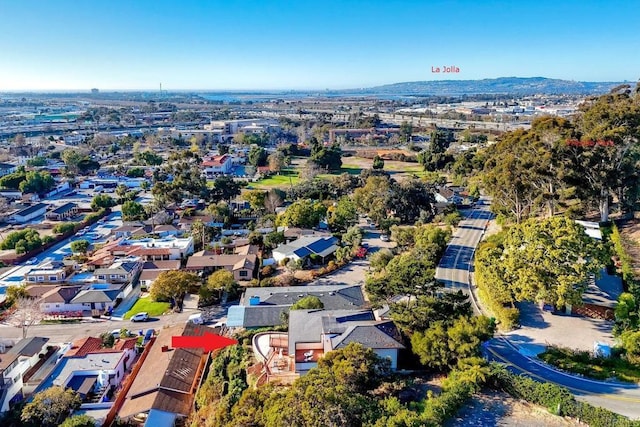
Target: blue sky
<point x="188" y="44"/>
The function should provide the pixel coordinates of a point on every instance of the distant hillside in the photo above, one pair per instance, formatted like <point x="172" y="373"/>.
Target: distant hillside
<point x="501" y="85"/>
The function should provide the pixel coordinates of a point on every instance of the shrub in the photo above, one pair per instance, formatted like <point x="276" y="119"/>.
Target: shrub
<point x="65" y="227"/>
<point x="267" y="271"/>
<point x="267" y="282"/>
<point x="558" y="399"/>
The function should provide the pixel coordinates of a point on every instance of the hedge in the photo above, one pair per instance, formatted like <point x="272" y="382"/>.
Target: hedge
<point x="558" y="400"/>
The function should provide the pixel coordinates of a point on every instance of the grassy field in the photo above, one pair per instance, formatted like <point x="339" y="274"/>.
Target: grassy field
<point x="352" y="165"/>
<point x="147" y="305"/>
<point x="286" y="178"/>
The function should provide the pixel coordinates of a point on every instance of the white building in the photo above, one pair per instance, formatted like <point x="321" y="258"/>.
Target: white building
<point x="167" y="248"/>
<point x="14" y="364"/>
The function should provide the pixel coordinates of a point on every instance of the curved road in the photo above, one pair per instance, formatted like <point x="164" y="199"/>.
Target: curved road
<point x="454" y="271"/>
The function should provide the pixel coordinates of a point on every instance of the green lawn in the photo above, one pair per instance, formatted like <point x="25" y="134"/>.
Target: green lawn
<point x="581" y="362"/>
<point x="147" y="305"/>
<point x="286" y="177"/>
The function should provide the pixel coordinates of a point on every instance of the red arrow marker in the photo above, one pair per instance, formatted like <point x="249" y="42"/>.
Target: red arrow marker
<point x="208" y="341"/>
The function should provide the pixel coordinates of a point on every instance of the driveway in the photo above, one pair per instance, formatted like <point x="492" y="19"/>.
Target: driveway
<point x="355" y="271"/>
<point x="540" y="328"/>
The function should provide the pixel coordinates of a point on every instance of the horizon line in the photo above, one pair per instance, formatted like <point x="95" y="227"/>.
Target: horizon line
<point x="266" y="90"/>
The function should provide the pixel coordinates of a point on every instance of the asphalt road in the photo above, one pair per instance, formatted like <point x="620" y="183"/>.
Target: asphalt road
<point x="454" y="271"/>
<point x="621" y="398"/>
<point x="64" y="333"/>
<point x="456" y="263"/>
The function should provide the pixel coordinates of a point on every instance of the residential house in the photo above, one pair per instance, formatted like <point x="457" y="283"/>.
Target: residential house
<point x="7" y="168"/>
<point x="165" y="230"/>
<point x="29" y="213"/>
<point x="163" y="391"/>
<point x="58" y="299"/>
<point x="184" y="223"/>
<point x="293" y="233"/>
<point x="447" y="195"/>
<point x="167" y="248"/>
<point x="216" y="165"/>
<point x="322" y="246"/>
<point x="47" y="272"/>
<point x="94" y="372"/>
<point x="66" y="211"/>
<point x="261" y="307"/>
<point x="99" y="296"/>
<point x="243" y="265"/>
<point x="152" y="269"/>
<point x="313" y="333"/>
<point x="13" y="366"/>
<point x="121" y="271"/>
<point x="130" y="230"/>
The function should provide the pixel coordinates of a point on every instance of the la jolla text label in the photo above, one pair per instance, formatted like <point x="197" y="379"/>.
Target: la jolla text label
<point x="445" y="69"/>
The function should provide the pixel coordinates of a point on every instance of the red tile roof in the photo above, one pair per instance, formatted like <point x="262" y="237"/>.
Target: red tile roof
<point x="84" y="346"/>
<point x="216" y="160"/>
<point x="126" y="344"/>
<point x="92" y="345"/>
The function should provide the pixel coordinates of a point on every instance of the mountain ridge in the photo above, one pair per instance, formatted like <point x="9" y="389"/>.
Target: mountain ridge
<point x="499" y="85"/>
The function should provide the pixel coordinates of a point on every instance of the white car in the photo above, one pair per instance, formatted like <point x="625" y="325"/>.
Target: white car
<point x="140" y="317"/>
<point x="384" y="238"/>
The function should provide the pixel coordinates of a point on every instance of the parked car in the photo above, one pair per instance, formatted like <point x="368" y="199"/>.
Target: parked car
<point x="116" y="333"/>
<point x="384" y="238"/>
<point x="140" y="317"/>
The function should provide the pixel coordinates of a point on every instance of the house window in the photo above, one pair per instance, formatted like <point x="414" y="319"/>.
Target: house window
<point x="40" y="278"/>
<point x="114" y="276"/>
<point x="52" y="278"/>
<point x="122" y="276"/>
<point x="101" y="276"/>
<point x="244" y="273"/>
<point x="32" y="279"/>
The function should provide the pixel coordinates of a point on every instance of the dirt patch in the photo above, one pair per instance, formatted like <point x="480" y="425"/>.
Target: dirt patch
<point x="499" y="409"/>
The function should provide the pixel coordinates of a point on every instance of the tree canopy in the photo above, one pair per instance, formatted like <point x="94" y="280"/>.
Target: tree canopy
<point x="309" y="302"/>
<point x="303" y="213"/>
<point x="544" y="260"/>
<point x="51" y="406"/>
<point x="172" y="285"/>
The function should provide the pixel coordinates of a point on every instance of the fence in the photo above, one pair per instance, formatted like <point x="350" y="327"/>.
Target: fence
<point x="111" y="416"/>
